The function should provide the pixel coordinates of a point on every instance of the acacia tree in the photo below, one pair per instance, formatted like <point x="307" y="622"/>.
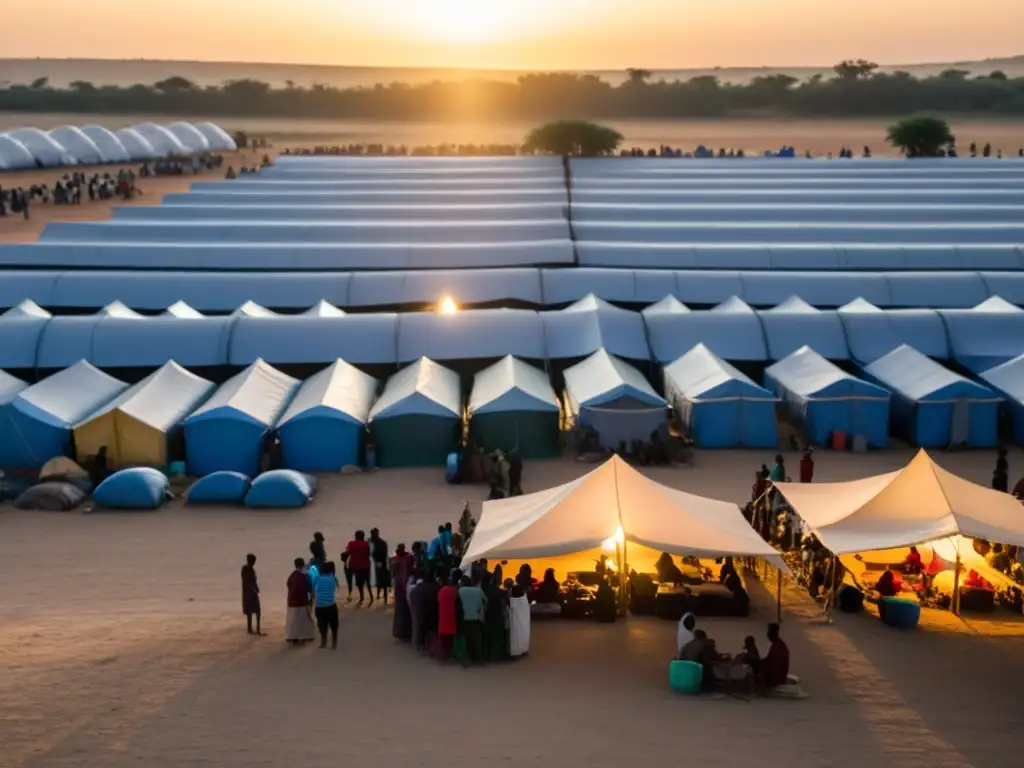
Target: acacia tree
<point x="573" y="138"/>
<point x="921" y="136"/>
<point x="638" y="76"/>
<point x="854" y="69"/>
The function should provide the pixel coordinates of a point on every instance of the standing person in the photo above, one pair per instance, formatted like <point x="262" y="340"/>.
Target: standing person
<point x="474" y="613"/>
<point x="496" y="620"/>
<point x="348" y="575"/>
<point x="298" y="624"/>
<point x="400" y="568"/>
<point x="778" y="473"/>
<point x="251" y="594"/>
<point x="381" y="569"/>
<point x="518" y="620"/>
<point x="318" y="549"/>
<point x="324" y="589"/>
<point x="447" y="619"/>
<point x="424" y="607"/>
<point x="1001" y="477"/>
<point x="359" y="563"/>
<point x="807" y="467"/>
<point x="515" y="476"/>
<point x="447" y="539"/>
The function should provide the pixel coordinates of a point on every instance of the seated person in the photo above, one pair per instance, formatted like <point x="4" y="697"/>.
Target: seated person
<point x="912" y="563"/>
<point x="549" y="591"/>
<point x="668" y="571"/>
<point x="604" y="603"/>
<point x="728" y="570"/>
<point x="685" y="633"/>
<point x="701" y="650"/>
<point x="775" y="666"/>
<point x="887" y="586"/>
<point x="750" y="656"/>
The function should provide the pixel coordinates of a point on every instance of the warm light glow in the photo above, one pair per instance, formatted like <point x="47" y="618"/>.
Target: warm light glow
<point x="611" y="544"/>
<point x="461" y="21"/>
<point x="447" y="306"/>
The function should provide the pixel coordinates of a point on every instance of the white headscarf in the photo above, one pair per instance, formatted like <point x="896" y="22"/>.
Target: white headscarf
<point x="684" y="635"/>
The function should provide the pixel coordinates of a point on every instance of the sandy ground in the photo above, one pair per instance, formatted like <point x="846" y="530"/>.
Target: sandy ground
<point x="126" y="646"/>
<point x="15" y="229"/>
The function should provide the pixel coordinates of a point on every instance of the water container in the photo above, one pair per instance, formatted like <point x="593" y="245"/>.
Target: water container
<point x="685" y="676"/>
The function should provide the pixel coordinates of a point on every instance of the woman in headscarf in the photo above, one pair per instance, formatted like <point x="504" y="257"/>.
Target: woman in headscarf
<point x="684" y="632"/>
<point x="381" y="569"/>
<point x="401" y="563"/>
<point x="424" y="611"/>
<point x="495" y="630"/>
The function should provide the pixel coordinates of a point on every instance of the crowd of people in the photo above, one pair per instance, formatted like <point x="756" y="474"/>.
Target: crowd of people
<point x="744" y="672"/>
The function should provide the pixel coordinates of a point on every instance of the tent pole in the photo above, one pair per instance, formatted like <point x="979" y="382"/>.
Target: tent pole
<point x="830" y="579"/>
<point x="955" y="604"/>
<point x="778" y="616"/>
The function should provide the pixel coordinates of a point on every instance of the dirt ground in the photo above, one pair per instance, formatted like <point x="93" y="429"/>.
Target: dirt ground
<point x="123" y="644"/>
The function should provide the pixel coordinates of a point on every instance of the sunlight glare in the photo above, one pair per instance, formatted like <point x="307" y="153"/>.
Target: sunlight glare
<point x="612" y="543"/>
<point x="448" y="306"/>
<point x="463" y="21"/>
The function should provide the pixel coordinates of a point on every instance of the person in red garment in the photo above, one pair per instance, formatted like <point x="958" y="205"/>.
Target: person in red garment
<point x="447" y="619"/>
<point x="806" y="467"/>
<point x="775" y="666"/>
<point x="358" y="551"/>
<point x="912" y="563"/>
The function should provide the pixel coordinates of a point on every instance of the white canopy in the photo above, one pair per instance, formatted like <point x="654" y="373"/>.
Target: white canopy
<point x="917" y="504"/>
<point x="583" y="514"/>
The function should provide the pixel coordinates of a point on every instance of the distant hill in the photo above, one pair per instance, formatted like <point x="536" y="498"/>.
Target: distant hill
<point x="61" y="72"/>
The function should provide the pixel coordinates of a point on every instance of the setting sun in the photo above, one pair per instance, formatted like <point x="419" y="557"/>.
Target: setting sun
<point x="447" y="306"/>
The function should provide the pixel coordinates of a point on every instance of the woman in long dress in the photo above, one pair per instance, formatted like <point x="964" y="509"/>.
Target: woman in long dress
<point x="298" y="625"/>
<point x="401" y="563"/>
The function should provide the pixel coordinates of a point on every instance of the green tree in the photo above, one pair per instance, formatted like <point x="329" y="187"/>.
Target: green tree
<point x="921" y="136"/>
<point x="851" y="69"/>
<point x="953" y="74"/>
<point x="638" y="76"/>
<point x="175" y="84"/>
<point x="39" y="83"/>
<point x="82" y="86"/>
<point x="998" y="75"/>
<point x="576" y="138"/>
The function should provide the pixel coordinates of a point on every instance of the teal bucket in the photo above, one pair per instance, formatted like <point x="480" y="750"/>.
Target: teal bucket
<point x="685" y="676"/>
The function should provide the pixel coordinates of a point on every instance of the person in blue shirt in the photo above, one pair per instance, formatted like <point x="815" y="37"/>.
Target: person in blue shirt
<point x="437" y="548"/>
<point x="324" y="588"/>
<point x="446" y="537"/>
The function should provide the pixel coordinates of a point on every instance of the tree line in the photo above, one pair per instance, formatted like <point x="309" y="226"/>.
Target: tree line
<point x="856" y="89"/>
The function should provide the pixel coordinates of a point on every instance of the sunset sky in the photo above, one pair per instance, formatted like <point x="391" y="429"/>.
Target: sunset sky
<point x="516" y="34"/>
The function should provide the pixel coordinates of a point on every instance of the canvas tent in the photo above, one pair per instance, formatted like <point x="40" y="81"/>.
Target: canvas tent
<point x="613" y="398"/>
<point x="1008" y="380"/>
<point x="227" y="432"/>
<point x="417" y="421"/>
<point x="731" y="330"/>
<point x="920" y="503"/>
<point x="933" y="407"/>
<point x="513" y="407"/>
<point x="795" y="323"/>
<point x="322" y="430"/>
<point x="37" y="423"/>
<point x="987" y="335"/>
<point x="575" y="522"/>
<point x="592" y="324"/>
<point x="141" y="426"/>
<point x="873" y="333"/>
<point x="717" y="405"/>
<point x="825" y="399"/>
<point x="10" y="388"/>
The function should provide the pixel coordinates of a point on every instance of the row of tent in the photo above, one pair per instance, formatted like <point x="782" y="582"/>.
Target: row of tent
<point x="117" y="337"/>
<point x="219" y="292"/>
<point x="418" y="417"/>
<point x="27" y="148"/>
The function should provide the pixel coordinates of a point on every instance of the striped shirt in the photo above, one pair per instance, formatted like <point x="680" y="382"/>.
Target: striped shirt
<point x="324" y="588"/>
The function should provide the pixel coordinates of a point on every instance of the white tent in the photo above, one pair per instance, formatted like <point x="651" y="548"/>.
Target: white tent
<point x="14" y="156"/>
<point x="190" y="136"/>
<point x="162" y="140"/>
<point x="584" y="514"/>
<point x="920" y="503"/>
<point x="217" y="137"/>
<point x="111" y="148"/>
<point x="136" y="145"/>
<point x="78" y="145"/>
<point x="48" y="152"/>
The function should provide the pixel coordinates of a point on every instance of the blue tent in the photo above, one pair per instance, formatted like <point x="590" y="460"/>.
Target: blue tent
<point x="322" y="430"/>
<point x="361" y="339"/>
<point x="1008" y="380"/>
<point x="464" y="286"/>
<point x="21" y="328"/>
<point x="731" y="330"/>
<point x="872" y="332"/>
<point x="37" y="423"/>
<point x="987" y="335"/>
<point x="227" y="432"/>
<point x="10" y="388"/>
<point x="824" y="398"/>
<point x="614" y="399"/>
<point x="591" y="324"/>
<point x="717" y="405"/>
<point x="795" y="323"/>
<point x="470" y="335"/>
<point x="933" y="407"/>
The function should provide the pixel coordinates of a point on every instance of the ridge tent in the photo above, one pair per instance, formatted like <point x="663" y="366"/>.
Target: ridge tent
<point x="472" y="334"/>
<point x="142" y="424"/>
<point x="987" y="335"/>
<point x="615" y="399"/>
<point x="417" y="421"/>
<point x="920" y="503"/>
<point x="574" y="524"/>
<point x="717" y="405"/>
<point x="10" y="388"/>
<point x="592" y="324"/>
<point x="933" y="407"/>
<point x="513" y="407"/>
<point x="731" y="330"/>
<point x="1008" y="380"/>
<point x="795" y="323"/>
<point x="873" y="333"/>
<point x="322" y="429"/>
<point x="824" y="398"/>
<point x="21" y="329"/>
<point x="227" y="432"/>
<point x="37" y="422"/>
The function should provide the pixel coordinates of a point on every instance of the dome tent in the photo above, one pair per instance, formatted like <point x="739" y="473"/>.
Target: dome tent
<point x="47" y="152"/>
<point x="513" y="407"/>
<point x="825" y="398"/>
<point x="164" y="142"/>
<point x="135" y="144"/>
<point x="227" y="432"/>
<point x="417" y="421"/>
<point x="40" y="418"/>
<point x="140" y="426"/>
<point x="933" y="407"/>
<point x="78" y="145"/>
<point x="190" y="136"/>
<point x="322" y="430"/>
<point x="110" y="147"/>
<point x="717" y="405"/>
<point x="14" y="156"/>
<point x="615" y="399"/>
<point x="217" y="137"/>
